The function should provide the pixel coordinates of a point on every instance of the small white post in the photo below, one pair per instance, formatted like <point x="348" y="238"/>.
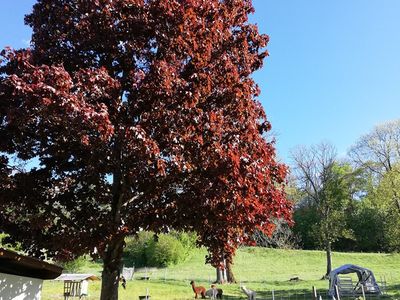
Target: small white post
<point x="147" y="293"/>
<point x="273" y="295"/>
<point x="384" y="278"/>
<point x="314" y="293"/>
<point x="337" y="292"/>
<point x="363" y="292"/>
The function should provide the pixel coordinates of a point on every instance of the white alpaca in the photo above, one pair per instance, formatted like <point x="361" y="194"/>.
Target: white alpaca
<point x="212" y="293"/>
<point x="251" y="295"/>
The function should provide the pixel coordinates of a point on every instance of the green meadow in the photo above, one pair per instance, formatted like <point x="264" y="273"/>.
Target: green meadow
<point x="260" y="269"/>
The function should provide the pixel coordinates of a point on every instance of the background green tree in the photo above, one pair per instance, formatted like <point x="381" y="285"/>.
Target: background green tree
<point x="326" y="184"/>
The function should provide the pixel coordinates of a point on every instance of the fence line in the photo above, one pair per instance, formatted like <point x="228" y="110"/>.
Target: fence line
<point x="312" y="294"/>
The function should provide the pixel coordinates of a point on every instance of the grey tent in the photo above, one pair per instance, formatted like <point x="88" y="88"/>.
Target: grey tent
<point x="365" y="278"/>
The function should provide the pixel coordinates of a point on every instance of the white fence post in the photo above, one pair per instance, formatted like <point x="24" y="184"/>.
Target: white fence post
<point x="337" y="292"/>
<point x="363" y="292"/>
<point x="314" y="293"/>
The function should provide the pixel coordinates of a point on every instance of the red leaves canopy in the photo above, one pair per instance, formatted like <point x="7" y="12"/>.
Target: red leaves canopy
<point x="139" y="115"/>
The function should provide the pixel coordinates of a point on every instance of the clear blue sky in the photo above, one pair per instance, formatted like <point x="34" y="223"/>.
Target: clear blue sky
<point x="333" y="71"/>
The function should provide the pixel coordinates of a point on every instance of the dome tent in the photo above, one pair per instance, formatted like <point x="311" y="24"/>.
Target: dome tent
<point x="365" y="278"/>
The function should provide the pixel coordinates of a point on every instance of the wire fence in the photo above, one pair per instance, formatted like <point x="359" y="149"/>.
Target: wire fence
<point x="295" y="295"/>
<point x="311" y="294"/>
<point x="285" y="295"/>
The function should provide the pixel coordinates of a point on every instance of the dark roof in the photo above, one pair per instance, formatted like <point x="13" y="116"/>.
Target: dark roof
<point x="16" y="264"/>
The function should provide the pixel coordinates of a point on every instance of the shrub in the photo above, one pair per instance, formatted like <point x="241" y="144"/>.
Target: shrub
<point x="187" y="239"/>
<point x="75" y="265"/>
<point x="137" y="248"/>
<point x="165" y="250"/>
<point x="305" y="220"/>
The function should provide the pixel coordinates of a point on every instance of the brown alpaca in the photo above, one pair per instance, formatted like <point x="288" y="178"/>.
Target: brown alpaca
<point x="198" y="290"/>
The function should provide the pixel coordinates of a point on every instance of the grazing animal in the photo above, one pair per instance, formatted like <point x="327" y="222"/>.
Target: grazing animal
<point x="198" y="290"/>
<point x="251" y="295"/>
<point x="214" y="292"/>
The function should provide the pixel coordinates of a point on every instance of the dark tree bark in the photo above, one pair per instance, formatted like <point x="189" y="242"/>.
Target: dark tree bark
<point x="328" y="259"/>
<point x="230" y="277"/>
<point x="111" y="270"/>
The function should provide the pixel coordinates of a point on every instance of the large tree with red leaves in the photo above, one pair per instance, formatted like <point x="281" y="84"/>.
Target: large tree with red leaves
<point x="135" y="114"/>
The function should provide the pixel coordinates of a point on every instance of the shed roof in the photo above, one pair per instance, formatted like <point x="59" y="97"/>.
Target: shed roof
<point x="77" y="277"/>
<point x="20" y="265"/>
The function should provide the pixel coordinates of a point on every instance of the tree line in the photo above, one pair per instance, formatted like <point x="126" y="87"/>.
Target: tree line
<point x="351" y="203"/>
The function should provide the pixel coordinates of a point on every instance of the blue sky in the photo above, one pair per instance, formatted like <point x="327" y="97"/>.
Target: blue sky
<point x="333" y="71"/>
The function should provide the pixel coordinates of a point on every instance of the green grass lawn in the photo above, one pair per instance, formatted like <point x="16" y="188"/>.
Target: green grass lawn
<point x="260" y="269"/>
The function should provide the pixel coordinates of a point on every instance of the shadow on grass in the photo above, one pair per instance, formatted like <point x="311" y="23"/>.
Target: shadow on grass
<point x="394" y="290"/>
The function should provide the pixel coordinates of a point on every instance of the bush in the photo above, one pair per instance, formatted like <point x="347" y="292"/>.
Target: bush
<point x="137" y="248"/>
<point x="305" y="220"/>
<point x="75" y="265"/>
<point x="367" y="223"/>
<point x="165" y="250"/>
<point x="187" y="239"/>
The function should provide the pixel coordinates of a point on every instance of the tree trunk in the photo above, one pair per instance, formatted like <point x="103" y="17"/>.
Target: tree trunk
<point x="112" y="258"/>
<point x="230" y="277"/>
<point x="328" y="260"/>
<point x="225" y="275"/>
<point x="111" y="270"/>
<point x="220" y="276"/>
